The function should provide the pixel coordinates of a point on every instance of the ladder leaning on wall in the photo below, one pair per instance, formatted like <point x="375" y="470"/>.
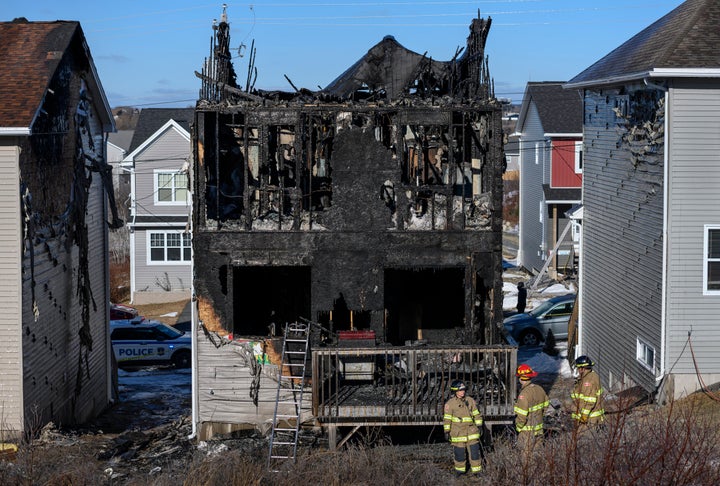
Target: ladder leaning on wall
<point x="288" y="402"/>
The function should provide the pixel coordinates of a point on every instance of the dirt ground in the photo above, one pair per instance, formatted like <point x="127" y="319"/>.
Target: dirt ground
<point x="168" y="313"/>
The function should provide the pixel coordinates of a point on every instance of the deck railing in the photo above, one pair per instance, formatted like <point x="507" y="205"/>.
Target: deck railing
<point x="410" y="385"/>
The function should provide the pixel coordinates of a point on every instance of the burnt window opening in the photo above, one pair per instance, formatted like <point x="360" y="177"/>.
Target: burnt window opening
<point x="316" y="180"/>
<point x="342" y="318"/>
<point x="424" y="304"/>
<point x="266" y="298"/>
<point x="426" y="155"/>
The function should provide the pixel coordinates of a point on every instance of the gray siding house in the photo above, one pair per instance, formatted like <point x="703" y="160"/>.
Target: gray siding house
<point x="550" y="161"/>
<point x="650" y="267"/>
<point x="55" y="358"/>
<point x="158" y="161"/>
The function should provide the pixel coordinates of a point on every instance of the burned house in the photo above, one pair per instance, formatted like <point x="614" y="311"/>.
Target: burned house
<point x="55" y="194"/>
<point x="372" y="206"/>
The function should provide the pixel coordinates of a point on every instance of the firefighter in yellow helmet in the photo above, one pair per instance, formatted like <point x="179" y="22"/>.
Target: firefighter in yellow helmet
<point x="462" y="424"/>
<point x="587" y="395"/>
<point x="530" y="407"/>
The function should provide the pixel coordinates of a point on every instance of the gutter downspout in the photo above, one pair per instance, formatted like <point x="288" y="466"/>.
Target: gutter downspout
<point x="194" y="393"/>
<point x="110" y="375"/>
<point x="131" y="228"/>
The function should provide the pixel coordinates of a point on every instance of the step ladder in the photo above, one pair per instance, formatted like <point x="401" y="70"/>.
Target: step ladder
<point x="291" y="384"/>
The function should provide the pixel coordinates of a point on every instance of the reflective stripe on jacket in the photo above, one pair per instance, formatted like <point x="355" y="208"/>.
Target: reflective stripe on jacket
<point x="530" y="409"/>
<point x="462" y="419"/>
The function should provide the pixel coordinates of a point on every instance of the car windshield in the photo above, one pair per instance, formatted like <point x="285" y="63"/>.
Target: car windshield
<point x="168" y="332"/>
<point x="542" y="308"/>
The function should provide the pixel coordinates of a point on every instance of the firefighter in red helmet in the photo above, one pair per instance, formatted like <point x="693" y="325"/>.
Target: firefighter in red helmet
<point x="463" y="424"/>
<point x="530" y="407"/>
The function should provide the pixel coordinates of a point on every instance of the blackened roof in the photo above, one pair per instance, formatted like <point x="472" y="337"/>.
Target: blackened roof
<point x="152" y="119"/>
<point x="560" y="110"/>
<point x="687" y="37"/>
<point x="386" y="57"/>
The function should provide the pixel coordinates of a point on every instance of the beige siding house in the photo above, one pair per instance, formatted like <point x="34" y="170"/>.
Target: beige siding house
<point x="55" y="361"/>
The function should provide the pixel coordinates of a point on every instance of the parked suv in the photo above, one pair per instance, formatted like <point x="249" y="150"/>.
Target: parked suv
<point x="141" y="342"/>
<point x="530" y="328"/>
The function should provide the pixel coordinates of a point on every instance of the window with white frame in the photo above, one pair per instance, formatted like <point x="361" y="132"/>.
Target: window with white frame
<point x="171" y="187"/>
<point x="711" y="263"/>
<point x="646" y="355"/>
<point x="578" y="157"/>
<point x="537" y="152"/>
<point x="168" y="247"/>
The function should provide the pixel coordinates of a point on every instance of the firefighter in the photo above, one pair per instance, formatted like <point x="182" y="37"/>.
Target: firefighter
<point x="462" y="424"/>
<point x="530" y="409"/>
<point x="587" y="395"/>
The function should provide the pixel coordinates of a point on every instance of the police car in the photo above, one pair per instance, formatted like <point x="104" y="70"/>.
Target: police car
<point x="141" y="342"/>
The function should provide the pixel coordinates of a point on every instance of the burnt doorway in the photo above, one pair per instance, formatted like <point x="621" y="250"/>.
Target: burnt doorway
<point x="267" y="297"/>
<point x="423" y="304"/>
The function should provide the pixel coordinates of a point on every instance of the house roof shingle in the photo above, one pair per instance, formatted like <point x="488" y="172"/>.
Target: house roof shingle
<point x="560" y="110"/>
<point x="152" y="119"/>
<point x="30" y="52"/>
<point x="686" y="38"/>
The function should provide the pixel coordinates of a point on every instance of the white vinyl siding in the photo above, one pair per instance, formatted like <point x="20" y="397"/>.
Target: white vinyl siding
<point x="11" y="364"/>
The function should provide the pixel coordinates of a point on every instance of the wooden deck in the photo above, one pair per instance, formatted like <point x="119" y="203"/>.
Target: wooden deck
<point x="410" y="385"/>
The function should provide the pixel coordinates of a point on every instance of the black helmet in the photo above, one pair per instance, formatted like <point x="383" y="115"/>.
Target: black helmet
<point x="583" y="362"/>
<point x="457" y="385"/>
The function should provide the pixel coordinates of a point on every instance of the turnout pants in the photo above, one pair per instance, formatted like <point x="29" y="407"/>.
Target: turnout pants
<point x="461" y="450"/>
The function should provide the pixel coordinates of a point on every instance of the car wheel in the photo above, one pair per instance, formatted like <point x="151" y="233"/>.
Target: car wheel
<point x="181" y="359"/>
<point x="530" y="338"/>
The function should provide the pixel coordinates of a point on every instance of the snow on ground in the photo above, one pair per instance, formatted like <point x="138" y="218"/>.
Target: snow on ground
<point x="135" y="385"/>
<point x="546" y="364"/>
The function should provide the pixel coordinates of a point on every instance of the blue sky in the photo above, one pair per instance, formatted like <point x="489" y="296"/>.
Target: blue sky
<point x="146" y="52"/>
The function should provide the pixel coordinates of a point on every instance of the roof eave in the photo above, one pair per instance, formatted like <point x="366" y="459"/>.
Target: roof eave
<point x="562" y="135"/>
<point x="652" y="73"/>
<point x="14" y="131"/>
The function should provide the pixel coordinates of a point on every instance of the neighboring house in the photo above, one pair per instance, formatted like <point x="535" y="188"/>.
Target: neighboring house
<point x="650" y="265"/>
<point x="118" y="144"/>
<point x="550" y="129"/>
<point x="371" y="206"/>
<point x="512" y="157"/>
<point x="160" y="251"/>
<point x="54" y="179"/>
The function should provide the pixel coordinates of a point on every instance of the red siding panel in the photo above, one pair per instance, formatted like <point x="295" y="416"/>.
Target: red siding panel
<point x="562" y="170"/>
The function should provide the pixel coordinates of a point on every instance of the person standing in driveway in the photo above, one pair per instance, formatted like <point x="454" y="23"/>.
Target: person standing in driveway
<point x="521" y="297"/>
<point x="462" y="424"/>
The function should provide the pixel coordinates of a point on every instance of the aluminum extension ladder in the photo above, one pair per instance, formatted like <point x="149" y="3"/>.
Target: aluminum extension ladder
<point x="291" y="384"/>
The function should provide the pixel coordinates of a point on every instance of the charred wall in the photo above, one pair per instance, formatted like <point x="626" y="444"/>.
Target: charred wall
<point x="408" y="190"/>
